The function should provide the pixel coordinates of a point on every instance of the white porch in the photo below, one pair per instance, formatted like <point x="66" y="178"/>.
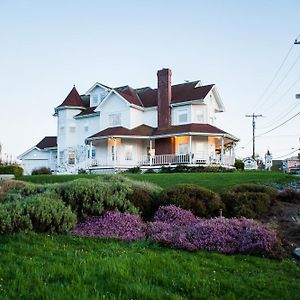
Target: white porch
<point x="124" y="153"/>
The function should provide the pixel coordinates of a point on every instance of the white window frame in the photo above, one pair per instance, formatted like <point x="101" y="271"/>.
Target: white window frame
<point x="114" y="119"/>
<point x="71" y="157"/>
<point x="180" y="113"/>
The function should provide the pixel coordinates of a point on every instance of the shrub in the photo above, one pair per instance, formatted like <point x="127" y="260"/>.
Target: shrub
<point x="134" y="170"/>
<point x="256" y="188"/>
<point x="248" y="200"/>
<point x="202" y="202"/>
<point x="239" y="164"/>
<point x="7" y="185"/>
<point x="41" y="171"/>
<point x="149" y="171"/>
<point x="93" y="197"/>
<point x="11" y="169"/>
<point x="143" y="195"/>
<point x="289" y="195"/>
<point x="217" y="234"/>
<point x="40" y="213"/>
<point x="122" y="226"/>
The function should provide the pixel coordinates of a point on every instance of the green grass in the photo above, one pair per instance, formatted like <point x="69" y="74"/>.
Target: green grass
<point x="214" y="181"/>
<point x="40" y="266"/>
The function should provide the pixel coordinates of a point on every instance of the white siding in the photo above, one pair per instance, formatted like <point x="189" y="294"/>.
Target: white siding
<point x="150" y="117"/>
<point x="98" y="92"/>
<point x="114" y="105"/>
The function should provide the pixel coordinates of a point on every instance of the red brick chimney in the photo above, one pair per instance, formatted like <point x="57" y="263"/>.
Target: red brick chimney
<point x="164" y="98"/>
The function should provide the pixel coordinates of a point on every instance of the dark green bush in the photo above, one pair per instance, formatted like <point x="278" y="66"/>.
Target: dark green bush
<point x="39" y="213"/>
<point x="239" y="164"/>
<point x="256" y="188"/>
<point x="41" y="171"/>
<point x="202" y="202"/>
<point x="249" y="200"/>
<point x="11" y="169"/>
<point x="134" y="170"/>
<point x="289" y="195"/>
<point x="246" y="204"/>
<point x="149" y="171"/>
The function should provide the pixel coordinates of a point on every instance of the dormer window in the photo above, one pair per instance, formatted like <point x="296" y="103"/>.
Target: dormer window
<point x="114" y="119"/>
<point x="95" y="100"/>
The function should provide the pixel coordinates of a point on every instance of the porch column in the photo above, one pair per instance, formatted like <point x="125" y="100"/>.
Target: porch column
<point x="222" y="150"/>
<point x="233" y="153"/>
<point x="57" y="158"/>
<point x="190" y="158"/>
<point x="115" y="151"/>
<point x="91" y="151"/>
<point x="150" y="146"/>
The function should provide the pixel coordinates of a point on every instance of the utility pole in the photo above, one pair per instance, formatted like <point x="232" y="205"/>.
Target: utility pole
<point x="253" y="116"/>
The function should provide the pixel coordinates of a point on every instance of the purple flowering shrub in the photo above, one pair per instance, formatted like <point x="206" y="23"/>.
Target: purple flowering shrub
<point x="178" y="228"/>
<point x="122" y="226"/>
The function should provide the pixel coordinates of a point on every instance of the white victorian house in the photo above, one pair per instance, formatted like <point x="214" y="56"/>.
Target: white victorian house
<point x="111" y="129"/>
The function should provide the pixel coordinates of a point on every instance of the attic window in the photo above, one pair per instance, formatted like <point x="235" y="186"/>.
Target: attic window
<point x="114" y="119"/>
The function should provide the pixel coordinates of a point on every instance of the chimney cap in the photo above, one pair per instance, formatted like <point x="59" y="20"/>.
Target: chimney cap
<point x="164" y="71"/>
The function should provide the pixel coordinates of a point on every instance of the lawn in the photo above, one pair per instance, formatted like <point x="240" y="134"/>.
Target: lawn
<point x="214" y="181"/>
<point x="38" y="266"/>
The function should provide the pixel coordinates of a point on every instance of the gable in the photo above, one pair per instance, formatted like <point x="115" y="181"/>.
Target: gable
<point x="97" y="93"/>
<point x="213" y="101"/>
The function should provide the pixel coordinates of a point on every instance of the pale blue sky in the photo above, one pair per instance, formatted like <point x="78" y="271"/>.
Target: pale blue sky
<point x="47" y="46"/>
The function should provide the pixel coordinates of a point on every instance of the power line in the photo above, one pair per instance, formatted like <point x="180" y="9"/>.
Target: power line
<point x="280" y="98"/>
<point x="279" y="125"/>
<point x="274" y="77"/>
<point x="280" y="117"/>
<point x="280" y="83"/>
<point x="287" y="154"/>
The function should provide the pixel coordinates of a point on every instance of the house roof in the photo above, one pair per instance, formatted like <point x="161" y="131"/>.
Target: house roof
<point x="73" y="99"/>
<point x="180" y="93"/>
<point x="142" y="130"/>
<point x="87" y="111"/>
<point x="147" y="131"/>
<point x="192" y="127"/>
<point x="47" y="142"/>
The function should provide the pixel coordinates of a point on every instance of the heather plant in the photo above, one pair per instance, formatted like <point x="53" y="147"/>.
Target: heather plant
<point x="39" y="213"/>
<point x="121" y="226"/>
<point x="202" y="202"/>
<point x="177" y="228"/>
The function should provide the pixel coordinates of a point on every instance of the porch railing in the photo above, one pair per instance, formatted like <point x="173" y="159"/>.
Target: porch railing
<point x="165" y="159"/>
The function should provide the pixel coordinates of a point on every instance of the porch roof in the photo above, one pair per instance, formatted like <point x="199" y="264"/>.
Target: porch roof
<point x="145" y="131"/>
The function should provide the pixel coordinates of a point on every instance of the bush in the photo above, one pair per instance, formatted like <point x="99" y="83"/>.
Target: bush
<point x="11" y="169"/>
<point x="202" y="202"/>
<point x="7" y="185"/>
<point x="217" y="234"/>
<point x="249" y="200"/>
<point x="93" y="197"/>
<point x="41" y="171"/>
<point x="122" y="226"/>
<point x="149" y="171"/>
<point x="239" y="164"/>
<point x="40" y="213"/>
<point x="134" y="170"/>
<point x="143" y="195"/>
<point x="289" y="195"/>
